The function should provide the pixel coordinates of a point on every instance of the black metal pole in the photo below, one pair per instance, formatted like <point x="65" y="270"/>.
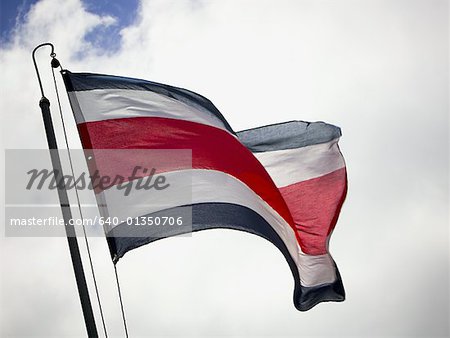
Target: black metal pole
<point x="83" y="291"/>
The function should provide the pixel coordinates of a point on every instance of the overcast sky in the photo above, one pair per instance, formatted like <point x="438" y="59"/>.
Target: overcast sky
<point x="376" y="68"/>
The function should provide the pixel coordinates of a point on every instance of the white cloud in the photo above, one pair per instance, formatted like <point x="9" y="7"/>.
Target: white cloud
<point x="378" y="69"/>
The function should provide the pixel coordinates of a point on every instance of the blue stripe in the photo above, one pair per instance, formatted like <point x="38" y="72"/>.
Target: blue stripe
<point x="288" y="135"/>
<point x="225" y="216"/>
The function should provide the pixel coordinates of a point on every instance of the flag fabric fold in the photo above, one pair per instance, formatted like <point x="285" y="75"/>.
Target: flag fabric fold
<point x="284" y="182"/>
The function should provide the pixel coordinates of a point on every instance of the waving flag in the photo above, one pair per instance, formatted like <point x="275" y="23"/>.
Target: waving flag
<point x="284" y="182"/>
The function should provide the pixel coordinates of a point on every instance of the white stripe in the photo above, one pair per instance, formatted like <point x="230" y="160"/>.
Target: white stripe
<point x="105" y="104"/>
<point x="295" y="165"/>
<point x="203" y="186"/>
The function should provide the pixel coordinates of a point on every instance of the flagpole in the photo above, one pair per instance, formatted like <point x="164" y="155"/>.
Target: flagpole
<point x="83" y="291"/>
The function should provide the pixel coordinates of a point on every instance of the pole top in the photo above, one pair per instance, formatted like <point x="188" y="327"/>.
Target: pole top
<point x="54" y="63"/>
<point x="44" y="102"/>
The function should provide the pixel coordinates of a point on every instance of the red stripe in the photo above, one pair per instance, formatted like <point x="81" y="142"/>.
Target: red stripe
<point x="212" y="148"/>
<point x="315" y="205"/>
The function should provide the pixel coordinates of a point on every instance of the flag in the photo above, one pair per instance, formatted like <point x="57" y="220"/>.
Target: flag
<point x="284" y="182"/>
